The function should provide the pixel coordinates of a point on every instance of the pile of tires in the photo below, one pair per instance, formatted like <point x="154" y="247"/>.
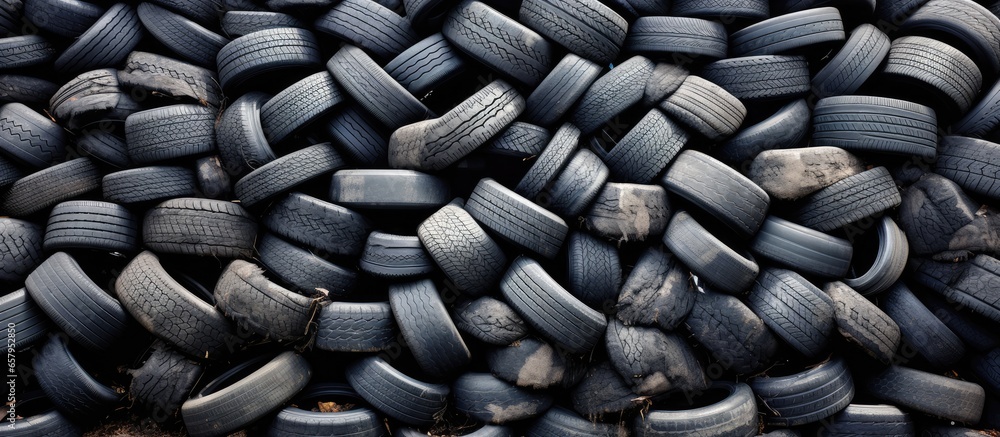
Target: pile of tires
<point x="499" y="218"/>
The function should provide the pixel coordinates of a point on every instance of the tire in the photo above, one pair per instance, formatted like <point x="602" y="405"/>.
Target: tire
<point x="653" y="362"/>
<point x="966" y="283"/>
<point x="485" y="398"/>
<point x="106" y="147"/>
<point x="67" y="18"/>
<point x="9" y="173"/>
<point x="303" y="271"/>
<point x="170" y="132"/>
<point x="657" y="292"/>
<point x="786" y="128"/>
<point x="646" y="150"/>
<point x="469" y="258"/>
<point x="719" y="322"/>
<point x="369" y="25"/>
<point x="240" y="137"/>
<point x="585" y="27"/>
<point x="661" y="36"/>
<point x="184" y="37"/>
<point x="516" y="219"/>
<point x="612" y="93"/>
<point x="285" y="173"/>
<point x="795" y="310"/>
<point x="802" y="249"/>
<point x="734" y="416"/>
<point x="47" y="422"/>
<point x="25" y="51"/>
<point x="549" y="308"/>
<point x="965" y="161"/>
<point x="425" y="14"/>
<point x="756" y="78"/>
<point x="628" y="212"/>
<point x="204" y="12"/>
<point x="163" y="382"/>
<point x="395" y="257"/>
<point x="920" y="329"/>
<point x="711" y="259"/>
<point x="189" y="323"/>
<point x="863" y="323"/>
<point x="560" y="422"/>
<point x="237" y="23"/>
<point x="68" y="385"/>
<point x="212" y="412"/>
<point x="986" y="368"/>
<point x="427" y="328"/>
<point x="928" y="393"/>
<point x="393" y="190"/>
<point x="154" y="73"/>
<point x="806" y="397"/>
<point x="603" y="393"/>
<point x="31" y="323"/>
<point x="499" y="42"/>
<point x="664" y="81"/>
<point x="375" y="90"/>
<point x="213" y="179"/>
<point x="355" y="327"/>
<point x="296" y="420"/>
<point x="577" y="184"/>
<point x="426" y="65"/>
<point x="935" y="202"/>
<point x="982" y="118"/>
<point x="745" y="9"/>
<point x="528" y="363"/>
<point x="105" y="44"/>
<point x="435" y="144"/>
<point x="791" y="174"/>
<point x="245" y="295"/>
<point x="220" y="229"/>
<point x="950" y="78"/>
<point x="360" y="137"/>
<point x="974" y="332"/>
<point x="853" y="64"/>
<point x="45" y="188"/>
<point x="84" y="224"/>
<point x="550" y="162"/>
<point x="21" y="243"/>
<point x="857" y="419"/>
<point x="490" y="321"/>
<point x="268" y="53"/>
<point x="322" y="226"/>
<point x="91" y="97"/>
<point x="594" y="273"/>
<point x="299" y="105"/>
<point x="789" y="32"/>
<point x="148" y="184"/>
<point x="849" y="200"/>
<point x="706" y="108"/>
<point x="520" y="140"/>
<point x="968" y="23"/>
<point x="560" y="90"/>
<point x="26" y="89"/>
<point x="395" y="394"/>
<point x="30" y="138"/>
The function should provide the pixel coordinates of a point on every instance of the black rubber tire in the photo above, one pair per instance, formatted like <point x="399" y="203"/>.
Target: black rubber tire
<point x="785" y="129"/>
<point x="790" y="174"/>
<point x="982" y="118"/>
<point x="485" y="398"/>
<point x="205" y="12"/>
<point x="188" y="323"/>
<point x="664" y="81"/>
<point x="428" y="330"/>
<point x="858" y="419"/>
<point x="711" y="259"/>
<point x="550" y="162"/>
<point x="802" y="249"/>
<point x="29" y="137"/>
<point x="28" y="51"/>
<point x="267" y="309"/>
<point x="87" y="224"/>
<point x="212" y="412"/>
<point x="646" y="150"/>
<point x="285" y="173"/>
<point x="795" y="310"/>
<point x="105" y="44"/>
<point x="603" y="393"/>
<point x="30" y="322"/>
<point x="369" y="25"/>
<point x="530" y="363"/>
<point x="26" y="89"/>
<point x="397" y="395"/>
<point x="805" y="397"/>
<point x="299" y="105"/>
<point x="20" y="249"/>
<point x="549" y="308"/>
<point x="469" y="258"/>
<point x="652" y="361"/>
<point x="393" y="190"/>
<point x="213" y="179"/>
<point x="490" y="321"/>
<point x="425" y="14"/>
<point x="789" y="32"/>
<point x="706" y="108"/>
<point x="69" y="386"/>
<point x="182" y="36"/>
<point x="520" y="140"/>
<point x="628" y="212"/>
<point x="594" y="271"/>
<point x="499" y="42"/>
<point x="104" y="146"/>
<point x="585" y="27"/>
<point x="170" y="132"/>
<point x="45" y="188"/>
<point x="148" y="184"/>
<point x="612" y="93"/>
<point x="359" y="137"/>
<point x="435" y="144"/>
<point x="243" y="147"/>
<point x="966" y="161"/>
<point x="67" y="18"/>
<point x="756" y="78"/>
<point x="734" y="416"/>
<point x="662" y="36"/>
<point x="657" y="292"/>
<point x="966" y="283"/>
<point x="863" y="323"/>
<point x="426" y="65"/>
<point x="375" y="90"/>
<point x="92" y="97"/>
<point x="265" y="53"/>
<point x="237" y="23"/>
<point x="9" y="172"/>
<point x="853" y="64"/>
<point x="322" y="226"/>
<point x="719" y="322"/>
<point x="560" y="422"/>
<point x="986" y="368"/>
<point x="299" y="421"/>
<point x="934" y="210"/>
<point x="930" y="337"/>
<point x="200" y="227"/>
<point x="931" y="66"/>
<point x="745" y="9"/>
<point x="47" y="422"/>
<point x="898" y="127"/>
<point x="577" y="184"/>
<point x="163" y="382"/>
<point x="304" y="271"/>
<point x="560" y="90"/>
<point x="974" y="331"/>
<point x="929" y="393"/>
<point x="854" y="198"/>
<point x="355" y="327"/>
<point x="969" y="23"/>
<point x="516" y="219"/>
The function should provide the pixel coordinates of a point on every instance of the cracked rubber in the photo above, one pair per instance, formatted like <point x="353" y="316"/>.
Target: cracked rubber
<point x="863" y="323"/>
<point x="967" y="283"/>
<point x="200" y="227"/>
<point x="733" y="334"/>
<point x="577" y="184"/>
<point x="968" y="162"/>
<point x="550" y="162"/>
<point x="653" y="362"/>
<point x="489" y="320"/>
<point x="94" y="96"/>
<point x="240" y="138"/>
<point x="245" y="295"/>
<point x="163" y="382"/>
<point x="320" y="225"/>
